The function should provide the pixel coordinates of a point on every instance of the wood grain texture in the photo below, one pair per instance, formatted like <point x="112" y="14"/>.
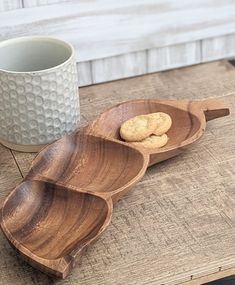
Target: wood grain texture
<point x="194" y="238"/>
<point x="220" y="47"/>
<point x="45" y="232"/>
<point x="183" y="224"/>
<point x="35" y="3"/>
<point x="101" y="28"/>
<point x="9" y="173"/>
<point x="126" y="65"/>
<point x="65" y="201"/>
<point x="214" y="278"/>
<point x="187" y="83"/>
<point x="84" y="73"/>
<point x="6" y="5"/>
<point x="90" y="164"/>
<point x="24" y="160"/>
<point x="121" y="39"/>
<point x="174" y="56"/>
<point x="188" y="122"/>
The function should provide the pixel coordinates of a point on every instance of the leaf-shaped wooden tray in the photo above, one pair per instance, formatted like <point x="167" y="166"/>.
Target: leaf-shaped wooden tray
<point x="188" y="122"/>
<point x="65" y="202"/>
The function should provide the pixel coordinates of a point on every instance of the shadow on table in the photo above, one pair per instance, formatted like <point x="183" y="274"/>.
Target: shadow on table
<point x="225" y="281"/>
<point x="232" y="61"/>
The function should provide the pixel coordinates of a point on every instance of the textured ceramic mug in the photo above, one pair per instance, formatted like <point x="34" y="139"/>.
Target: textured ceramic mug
<point x="39" y="99"/>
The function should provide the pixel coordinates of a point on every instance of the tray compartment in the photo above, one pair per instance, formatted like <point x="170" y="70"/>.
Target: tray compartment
<point x="90" y="164"/>
<point x="50" y="222"/>
<point x="188" y="122"/>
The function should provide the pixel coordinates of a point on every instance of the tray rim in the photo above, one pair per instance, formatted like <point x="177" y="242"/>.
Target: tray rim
<point x="60" y="265"/>
<point x="197" y="108"/>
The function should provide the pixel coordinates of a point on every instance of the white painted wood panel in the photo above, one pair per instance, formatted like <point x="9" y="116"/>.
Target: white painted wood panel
<point x="84" y="73"/>
<point x="6" y="5"/>
<point x="122" y="66"/>
<point x="35" y="3"/>
<point x="118" y="39"/>
<point x="174" y="56"/>
<point x="105" y="28"/>
<point x="220" y="47"/>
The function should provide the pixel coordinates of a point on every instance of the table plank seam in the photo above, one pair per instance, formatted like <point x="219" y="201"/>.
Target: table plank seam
<point x="16" y="163"/>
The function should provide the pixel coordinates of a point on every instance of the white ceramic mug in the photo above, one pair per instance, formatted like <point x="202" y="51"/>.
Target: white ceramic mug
<point x="39" y="99"/>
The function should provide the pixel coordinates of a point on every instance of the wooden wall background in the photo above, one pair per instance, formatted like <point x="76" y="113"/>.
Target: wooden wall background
<point x="117" y="39"/>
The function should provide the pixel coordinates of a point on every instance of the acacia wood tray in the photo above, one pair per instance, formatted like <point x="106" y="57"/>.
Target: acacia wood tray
<point x="65" y="202"/>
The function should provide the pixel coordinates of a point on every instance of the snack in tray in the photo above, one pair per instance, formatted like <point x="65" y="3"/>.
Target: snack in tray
<point x="163" y="122"/>
<point x="147" y="131"/>
<point x="152" y="142"/>
<point x="137" y="128"/>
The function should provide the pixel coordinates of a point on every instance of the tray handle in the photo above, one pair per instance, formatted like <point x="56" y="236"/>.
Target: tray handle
<point x="214" y="109"/>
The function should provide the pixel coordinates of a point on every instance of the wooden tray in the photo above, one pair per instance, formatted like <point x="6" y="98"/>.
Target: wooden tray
<point x="65" y="202"/>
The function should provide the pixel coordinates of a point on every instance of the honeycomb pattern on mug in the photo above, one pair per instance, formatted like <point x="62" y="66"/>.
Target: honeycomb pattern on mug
<point x="37" y="108"/>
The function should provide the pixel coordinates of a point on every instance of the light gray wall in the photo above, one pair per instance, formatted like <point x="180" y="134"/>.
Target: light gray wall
<point x="116" y="39"/>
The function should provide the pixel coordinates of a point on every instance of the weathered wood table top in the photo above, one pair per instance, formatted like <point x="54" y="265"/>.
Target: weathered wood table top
<point x="177" y="226"/>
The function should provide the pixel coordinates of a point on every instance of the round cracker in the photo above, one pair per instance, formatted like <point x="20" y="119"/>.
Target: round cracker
<point x="137" y="128"/>
<point x="152" y="142"/>
<point x="163" y="123"/>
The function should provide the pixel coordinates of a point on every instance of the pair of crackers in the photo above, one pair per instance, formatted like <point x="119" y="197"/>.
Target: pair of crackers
<point x="148" y="131"/>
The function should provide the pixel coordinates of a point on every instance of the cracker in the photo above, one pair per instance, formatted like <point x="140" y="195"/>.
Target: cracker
<point x="152" y="142"/>
<point x="163" y="123"/>
<point x="137" y="128"/>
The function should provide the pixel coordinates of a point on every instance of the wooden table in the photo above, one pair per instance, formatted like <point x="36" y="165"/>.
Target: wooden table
<point x="178" y="225"/>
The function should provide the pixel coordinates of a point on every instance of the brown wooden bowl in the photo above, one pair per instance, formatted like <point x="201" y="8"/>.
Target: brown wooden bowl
<point x="90" y="164"/>
<point x="51" y="225"/>
<point x="65" y="201"/>
<point x="188" y="122"/>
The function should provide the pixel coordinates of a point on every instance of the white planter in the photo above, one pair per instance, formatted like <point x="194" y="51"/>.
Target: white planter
<point x="39" y="99"/>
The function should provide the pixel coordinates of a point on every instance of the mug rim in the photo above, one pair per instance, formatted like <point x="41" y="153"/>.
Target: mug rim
<point x="36" y="38"/>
